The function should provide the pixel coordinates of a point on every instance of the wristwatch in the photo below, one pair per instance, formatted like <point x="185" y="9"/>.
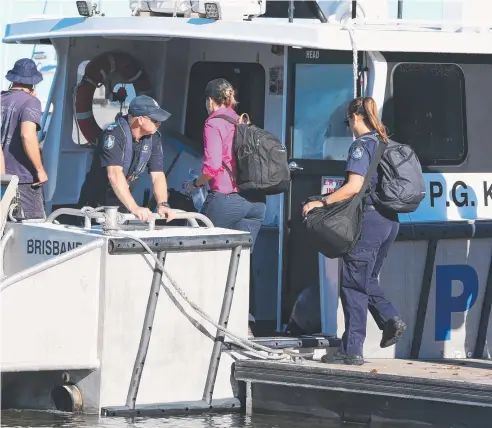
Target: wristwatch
<point x="194" y="183"/>
<point x="164" y="204"/>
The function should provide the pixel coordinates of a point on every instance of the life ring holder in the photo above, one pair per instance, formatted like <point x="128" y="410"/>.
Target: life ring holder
<point x="106" y="70"/>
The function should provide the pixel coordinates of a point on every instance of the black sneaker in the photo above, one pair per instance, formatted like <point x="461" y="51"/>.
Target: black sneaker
<point x="392" y="332"/>
<point x="338" y="358"/>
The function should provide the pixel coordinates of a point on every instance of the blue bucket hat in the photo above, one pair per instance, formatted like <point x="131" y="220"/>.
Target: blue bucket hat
<point x="25" y="71"/>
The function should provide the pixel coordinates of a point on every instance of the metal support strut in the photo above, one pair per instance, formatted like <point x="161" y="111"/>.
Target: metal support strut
<point x="223" y="320"/>
<point x="143" y="347"/>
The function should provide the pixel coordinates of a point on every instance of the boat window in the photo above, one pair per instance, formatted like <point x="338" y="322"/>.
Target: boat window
<point x="104" y="110"/>
<point x="322" y="93"/>
<point x="427" y="111"/>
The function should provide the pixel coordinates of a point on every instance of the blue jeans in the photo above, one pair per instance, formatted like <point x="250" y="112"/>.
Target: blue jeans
<point x="360" y="290"/>
<point x="235" y="211"/>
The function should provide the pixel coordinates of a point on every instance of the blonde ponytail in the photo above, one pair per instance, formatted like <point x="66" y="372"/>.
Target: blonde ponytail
<point x="373" y="117"/>
<point x="230" y="98"/>
<point x="367" y="108"/>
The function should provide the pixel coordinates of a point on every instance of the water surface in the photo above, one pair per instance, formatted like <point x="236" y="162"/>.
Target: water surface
<point x="41" y="419"/>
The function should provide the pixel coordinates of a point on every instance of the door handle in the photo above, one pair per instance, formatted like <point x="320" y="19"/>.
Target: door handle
<point x="294" y="167"/>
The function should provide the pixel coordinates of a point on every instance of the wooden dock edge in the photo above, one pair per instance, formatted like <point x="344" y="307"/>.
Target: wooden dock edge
<point x="362" y="396"/>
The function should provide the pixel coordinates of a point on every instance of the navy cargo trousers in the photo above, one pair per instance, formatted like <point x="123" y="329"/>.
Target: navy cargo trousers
<point x="360" y="290"/>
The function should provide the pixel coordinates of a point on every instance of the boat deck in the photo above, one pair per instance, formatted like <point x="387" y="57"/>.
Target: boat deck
<point x="426" y="391"/>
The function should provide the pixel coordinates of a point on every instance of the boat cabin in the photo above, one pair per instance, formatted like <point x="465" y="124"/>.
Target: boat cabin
<point x="295" y="65"/>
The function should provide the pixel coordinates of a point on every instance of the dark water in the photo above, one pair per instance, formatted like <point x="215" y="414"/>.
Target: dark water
<point x="34" y="419"/>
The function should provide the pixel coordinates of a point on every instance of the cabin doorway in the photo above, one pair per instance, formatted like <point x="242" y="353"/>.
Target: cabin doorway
<point x="248" y="80"/>
<point x="320" y="85"/>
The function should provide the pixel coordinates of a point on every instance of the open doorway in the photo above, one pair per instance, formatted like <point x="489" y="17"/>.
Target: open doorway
<point x="248" y="80"/>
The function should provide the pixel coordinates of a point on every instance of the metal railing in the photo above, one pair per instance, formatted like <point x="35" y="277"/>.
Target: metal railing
<point x="112" y="219"/>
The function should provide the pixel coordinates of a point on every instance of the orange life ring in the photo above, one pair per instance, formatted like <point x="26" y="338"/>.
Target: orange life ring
<point x="109" y="67"/>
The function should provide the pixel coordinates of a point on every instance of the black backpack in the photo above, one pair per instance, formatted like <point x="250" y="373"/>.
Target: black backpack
<point x="261" y="159"/>
<point x="334" y="229"/>
<point x="401" y="185"/>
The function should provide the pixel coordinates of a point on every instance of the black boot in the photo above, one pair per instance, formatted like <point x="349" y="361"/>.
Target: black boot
<point x="393" y="331"/>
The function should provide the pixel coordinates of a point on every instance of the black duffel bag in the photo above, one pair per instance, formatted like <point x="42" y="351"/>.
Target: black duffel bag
<point x="334" y="229"/>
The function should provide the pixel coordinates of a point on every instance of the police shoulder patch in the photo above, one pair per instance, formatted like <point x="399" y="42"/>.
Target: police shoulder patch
<point x="357" y="153"/>
<point x="109" y="141"/>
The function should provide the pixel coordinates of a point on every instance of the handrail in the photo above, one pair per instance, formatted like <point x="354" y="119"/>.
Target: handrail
<point x="112" y="218"/>
<point x="77" y="213"/>
<point x="3" y="243"/>
<point x="180" y="215"/>
<point x="40" y="267"/>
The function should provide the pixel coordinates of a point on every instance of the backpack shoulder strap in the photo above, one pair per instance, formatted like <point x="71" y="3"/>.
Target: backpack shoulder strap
<point x="226" y="118"/>
<point x="373" y="166"/>
<point x="127" y="152"/>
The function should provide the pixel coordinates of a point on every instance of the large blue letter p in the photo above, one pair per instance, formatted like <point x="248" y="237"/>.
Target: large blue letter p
<point x="446" y="304"/>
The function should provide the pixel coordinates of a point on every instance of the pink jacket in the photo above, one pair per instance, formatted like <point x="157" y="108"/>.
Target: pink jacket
<point x="218" y="136"/>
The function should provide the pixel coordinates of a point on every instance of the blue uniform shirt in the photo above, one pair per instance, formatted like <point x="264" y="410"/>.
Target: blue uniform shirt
<point x="96" y="189"/>
<point x="110" y="153"/>
<point x="360" y="156"/>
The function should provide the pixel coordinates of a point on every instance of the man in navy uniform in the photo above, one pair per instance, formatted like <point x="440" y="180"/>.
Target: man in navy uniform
<point x="21" y="153"/>
<point x="126" y="147"/>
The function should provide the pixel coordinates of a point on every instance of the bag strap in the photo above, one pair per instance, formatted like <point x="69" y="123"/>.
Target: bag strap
<point x="226" y="118"/>
<point x="230" y="120"/>
<point x="229" y="171"/>
<point x="372" y="167"/>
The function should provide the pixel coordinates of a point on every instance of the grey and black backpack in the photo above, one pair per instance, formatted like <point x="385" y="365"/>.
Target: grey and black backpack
<point x="401" y="185"/>
<point x="261" y="159"/>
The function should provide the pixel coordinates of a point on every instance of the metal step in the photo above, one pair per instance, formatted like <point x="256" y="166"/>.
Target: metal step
<point x="284" y="342"/>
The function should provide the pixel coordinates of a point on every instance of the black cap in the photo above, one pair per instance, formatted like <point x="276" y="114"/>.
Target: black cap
<point x="147" y="106"/>
<point x="215" y="88"/>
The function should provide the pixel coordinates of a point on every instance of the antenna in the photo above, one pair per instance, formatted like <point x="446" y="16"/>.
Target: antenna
<point x="44" y="11"/>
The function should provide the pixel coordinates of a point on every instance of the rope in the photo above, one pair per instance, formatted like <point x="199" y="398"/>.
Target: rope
<point x="137" y="9"/>
<point x="355" y="60"/>
<point x="74" y="107"/>
<point x="241" y="342"/>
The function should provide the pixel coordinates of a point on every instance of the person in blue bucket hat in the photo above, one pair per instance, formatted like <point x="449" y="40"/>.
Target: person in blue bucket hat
<point x="21" y="119"/>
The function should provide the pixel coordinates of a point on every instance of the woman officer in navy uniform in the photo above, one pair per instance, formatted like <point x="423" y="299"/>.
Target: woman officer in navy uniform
<point x="360" y="288"/>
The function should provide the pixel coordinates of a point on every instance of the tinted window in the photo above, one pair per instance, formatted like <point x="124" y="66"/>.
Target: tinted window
<point x="322" y="94"/>
<point x="428" y="111"/>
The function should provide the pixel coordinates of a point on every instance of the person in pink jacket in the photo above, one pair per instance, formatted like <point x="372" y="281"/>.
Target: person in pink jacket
<point x="224" y="205"/>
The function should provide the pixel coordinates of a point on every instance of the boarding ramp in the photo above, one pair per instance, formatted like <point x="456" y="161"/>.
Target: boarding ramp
<point x="82" y="309"/>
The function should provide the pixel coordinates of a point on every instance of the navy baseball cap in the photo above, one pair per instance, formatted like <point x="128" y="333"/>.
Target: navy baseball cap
<point x="144" y="105"/>
<point x="216" y="88"/>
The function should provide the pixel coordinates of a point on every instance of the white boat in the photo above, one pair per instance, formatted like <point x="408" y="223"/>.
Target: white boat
<point x="75" y="320"/>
